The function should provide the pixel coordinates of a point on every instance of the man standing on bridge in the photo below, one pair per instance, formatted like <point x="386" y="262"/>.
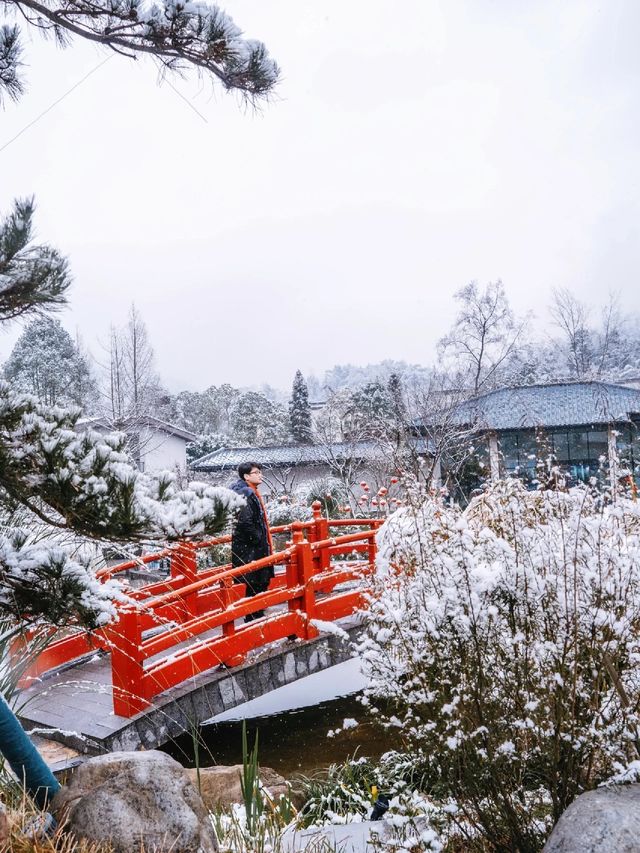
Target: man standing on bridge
<point x="251" y="539"/>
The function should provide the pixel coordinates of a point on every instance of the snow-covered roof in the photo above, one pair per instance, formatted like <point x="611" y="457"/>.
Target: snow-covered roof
<point x="294" y="454"/>
<point x="135" y="423"/>
<point x="554" y="405"/>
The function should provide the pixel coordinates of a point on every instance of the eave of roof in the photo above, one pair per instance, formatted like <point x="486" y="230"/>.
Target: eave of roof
<point x="551" y="405"/>
<point x="147" y="420"/>
<point x="226" y="458"/>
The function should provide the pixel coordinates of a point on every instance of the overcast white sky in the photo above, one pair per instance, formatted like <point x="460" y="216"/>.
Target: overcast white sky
<point x="411" y="148"/>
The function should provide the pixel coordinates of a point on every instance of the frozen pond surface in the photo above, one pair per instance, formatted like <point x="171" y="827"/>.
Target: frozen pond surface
<point x="293" y="723"/>
<point x="341" y="680"/>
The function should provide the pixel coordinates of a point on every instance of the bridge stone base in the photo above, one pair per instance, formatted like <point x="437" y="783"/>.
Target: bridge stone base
<point x="90" y="726"/>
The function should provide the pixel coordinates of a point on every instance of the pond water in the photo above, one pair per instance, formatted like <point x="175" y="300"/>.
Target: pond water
<point x="293" y="724"/>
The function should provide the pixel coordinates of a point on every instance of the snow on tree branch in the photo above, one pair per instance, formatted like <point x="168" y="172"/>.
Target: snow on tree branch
<point x="10" y="53"/>
<point x="178" y="33"/>
<point x="37" y="581"/>
<point x="32" y="277"/>
<point x="85" y="481"/>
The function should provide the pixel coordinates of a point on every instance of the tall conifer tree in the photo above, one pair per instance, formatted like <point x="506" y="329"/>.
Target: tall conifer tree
<point x="49" y="364"/>
<point x="300" y="411"/>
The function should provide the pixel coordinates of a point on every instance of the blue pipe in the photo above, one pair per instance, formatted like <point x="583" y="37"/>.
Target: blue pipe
<point x="24" y="759"/>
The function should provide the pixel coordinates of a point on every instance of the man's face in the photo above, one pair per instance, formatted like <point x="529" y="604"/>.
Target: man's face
<point x="254" y="477"/>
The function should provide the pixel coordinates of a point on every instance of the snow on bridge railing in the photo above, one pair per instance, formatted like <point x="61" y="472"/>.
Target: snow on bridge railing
<point x="174" y="629"/>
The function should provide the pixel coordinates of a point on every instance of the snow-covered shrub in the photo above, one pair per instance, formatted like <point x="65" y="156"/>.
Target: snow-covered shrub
<point x="504" y="640"/>
<point x="330" y="491"/>
<point x="285" y="509"/>
<point x="346" y="793"/>
<point x="216" y="555"/>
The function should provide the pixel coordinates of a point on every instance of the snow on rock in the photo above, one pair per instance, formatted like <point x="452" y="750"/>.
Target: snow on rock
<point x="602" y="821"/>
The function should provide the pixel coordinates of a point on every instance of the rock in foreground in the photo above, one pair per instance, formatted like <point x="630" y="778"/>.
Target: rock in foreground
<point x="603" y="821"/>
<point x="129" y="797"/>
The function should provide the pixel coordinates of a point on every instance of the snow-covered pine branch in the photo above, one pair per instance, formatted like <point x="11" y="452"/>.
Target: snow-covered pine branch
<point x="32" y="277"/>
<point x="10" y="54"/>
<point x="38" y="580"/>
<point x="86" y="482"/>
<point x="179" y="34"/>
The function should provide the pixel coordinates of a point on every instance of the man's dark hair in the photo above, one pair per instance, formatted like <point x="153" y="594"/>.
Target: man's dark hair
<point x="247" y="468"/>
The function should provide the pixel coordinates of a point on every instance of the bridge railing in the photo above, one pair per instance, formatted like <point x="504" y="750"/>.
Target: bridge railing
<point x="171" y="631"/>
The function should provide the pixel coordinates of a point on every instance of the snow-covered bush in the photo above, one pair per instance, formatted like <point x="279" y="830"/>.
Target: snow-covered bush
<point x="504" y="641"/>
<point x="285" y="509"/>
<point x="346" y="793"/>
<point x="330" y="491"/>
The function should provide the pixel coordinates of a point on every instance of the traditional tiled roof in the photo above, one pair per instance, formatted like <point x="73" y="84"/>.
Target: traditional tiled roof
<point x="555" y="405"/>
<point x="294" y="454"/>
<point x="133" y="424"/>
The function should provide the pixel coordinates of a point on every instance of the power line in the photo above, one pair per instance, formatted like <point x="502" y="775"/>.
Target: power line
<point x="79" y="83"/>
<point x="184" y="98"/>
<point x="55" y="103"/>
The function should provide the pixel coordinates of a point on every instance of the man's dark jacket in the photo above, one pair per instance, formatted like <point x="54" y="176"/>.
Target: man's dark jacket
<point x="250" y="540"/>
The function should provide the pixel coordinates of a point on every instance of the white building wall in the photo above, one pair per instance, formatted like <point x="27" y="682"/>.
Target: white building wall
<point x="160" y="451"/>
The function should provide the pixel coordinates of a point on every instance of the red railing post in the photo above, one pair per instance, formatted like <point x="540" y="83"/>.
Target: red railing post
<point x="300" y="572"/>
<point x="184" y="561"/>
<point x="372" y="550"/>
<point x="227" y="600"/>
<point x="320" y="533"/>
<point x="127" y="670"/>
<point x="229" y="597"/>
<point x="291" y="571"/>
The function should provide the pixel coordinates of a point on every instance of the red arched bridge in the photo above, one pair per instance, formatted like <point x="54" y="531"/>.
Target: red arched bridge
<point x="174" y="630"/>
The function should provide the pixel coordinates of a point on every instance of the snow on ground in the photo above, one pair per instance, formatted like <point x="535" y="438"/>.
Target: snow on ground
<point x="340" y="680"/>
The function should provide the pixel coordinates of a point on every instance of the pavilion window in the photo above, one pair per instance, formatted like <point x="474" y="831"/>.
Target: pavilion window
<point x="598" y="444"/>
<point x="508" y="444"/>
<point x="561" y="446"/>
<point x="528" y="450"/>
<point x="628" y="448"/>
<point x="578" y="445"/>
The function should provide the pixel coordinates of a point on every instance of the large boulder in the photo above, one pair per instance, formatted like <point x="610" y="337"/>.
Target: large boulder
<point x="127" y="798"/>
<point x="220" y="786"/>
<point x="603" y="821"/>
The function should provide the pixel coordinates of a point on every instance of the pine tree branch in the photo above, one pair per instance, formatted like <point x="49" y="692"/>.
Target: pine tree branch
<point x="85" y="482"/>
<point x="32" y="277"/>
<point x="177" y="33"/>
<point x="38" y="582"/>
<point x="10" y="56"/>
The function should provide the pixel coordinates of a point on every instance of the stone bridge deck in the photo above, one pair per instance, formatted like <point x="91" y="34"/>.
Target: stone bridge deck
<point x="75" y="706"/>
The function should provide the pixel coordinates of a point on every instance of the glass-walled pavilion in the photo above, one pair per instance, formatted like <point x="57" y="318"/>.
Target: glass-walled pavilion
<point x="581" y="452"/>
